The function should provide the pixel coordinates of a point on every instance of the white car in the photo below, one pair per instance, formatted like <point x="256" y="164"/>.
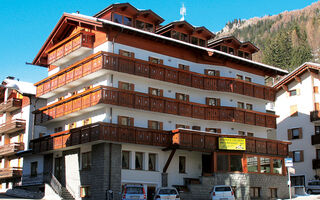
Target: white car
<point x="222" y="192"/>
<point x="167" y="193"/>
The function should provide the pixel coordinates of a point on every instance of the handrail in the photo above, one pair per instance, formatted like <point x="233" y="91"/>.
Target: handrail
<point x="54" y="183"/>
<point x="70" y="190"/>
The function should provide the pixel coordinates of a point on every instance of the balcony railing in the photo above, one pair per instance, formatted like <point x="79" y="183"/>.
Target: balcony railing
<point x="13" y="126"/>
<point x="109" y="61"/>
<point x="137" y="100"/>
<point x="70" y="47"/>
<point x="11" y="172"/>
<point x="11" y="105"/>
<point x="101" y="131"/>
<point x="11" y="149"/>
<point x="209" y="142"/>
<point x="316" y="164"/>
<point x="314" y="115"/>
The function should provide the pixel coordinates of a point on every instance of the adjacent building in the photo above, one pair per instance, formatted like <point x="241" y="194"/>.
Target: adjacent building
<point x="129" y="101"/>
<point x="297" y="104"/>
<point x="16" y="122"/>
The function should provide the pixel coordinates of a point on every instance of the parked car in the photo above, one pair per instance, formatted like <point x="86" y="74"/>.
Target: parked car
<point x="167" y="193"/>
<point x="135" y="192"/>
<point x="222" y="192"/>
<point x="313" y="186"/>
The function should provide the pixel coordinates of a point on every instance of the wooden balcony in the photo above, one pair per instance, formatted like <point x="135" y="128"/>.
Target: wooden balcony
<point x="13" y="172"/>
<point x="107" y="95"/>
<point x="11" y="149"/>
<point x="75" y="45"/>
<point x="208" y="142"/>
<point x="108" y="61"/>
<point x="315" y="139"/>
<point x="314" y="115"/>
<point x="13" y="126"/>
<point x="11" y="105"/>
<point x="101" y="131"/>
<point x="316" y="164"/>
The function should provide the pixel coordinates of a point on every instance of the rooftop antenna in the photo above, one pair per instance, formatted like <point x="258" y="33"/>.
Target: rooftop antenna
<point x="183" y="12"/>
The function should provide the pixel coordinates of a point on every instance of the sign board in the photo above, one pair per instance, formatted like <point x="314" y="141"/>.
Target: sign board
<point x="232" y="144"/>
<point x="288" y="162"/>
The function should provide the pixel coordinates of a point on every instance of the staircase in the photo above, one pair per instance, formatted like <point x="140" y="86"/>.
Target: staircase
<point x="63" y="192"/>
<point x="195" y="190"/>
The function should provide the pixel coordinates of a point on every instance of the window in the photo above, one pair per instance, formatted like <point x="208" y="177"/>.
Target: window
<point x="184" y="67"/>
<point x="240" y="105"/>
<point x="242" y="133"/>
<point x="125" y="121"/>
<point x="250" y="134"/>
<point x="86" y="160"/>
<point x="125" y="86"/>
<point x="144" y="26"/>
<point x="295" y="133"/>
<point x="248" y="79"/>
<point x="235" y="163"/>
<point x="182" y="97"/>
<point x="155" y="60"/>
<point x="184" y="37"/>
<point x="252" y="164"/>
<point x="212" y="72"/>
<point x="152" y="162"/>
<point x="240" y="53"/>
<point x="277" y="166"/>
<point x="122" y="19"/>
<point x="117" y="18"/>
<point x="297" y="180"/>
<point x="155" y="125"/>
<point x="182" y="126"/>
<point x="125" y="159"/>
<point x="231" y="51"/>
<point x="87" y="121"/>
<point x="194" y="40"/>
<point x="155" y="92"/>
<point x="213" y="130"/>
<point x="72" y="125"/>
<point x="293" y="110"/>
<point x="34" y="169"/>
<point x="239" y="77"/>
<point x="88" y="87"/>
<point x="58" y="129"/>
<point x="60" y="98"/>
<point x="179" y="36"/>
<point x="247" y="55"/>
<point x="127" y="21"/>
<point x="212" y="101"/>
<point x="297" y="156"/>
<point x="273" y="192"/>
<point x="224" y="49"/>
<point x="198" y="128"/>
<point x="265" y="165"/>
<point x="249" y="106"/>
<point x="292" y="92"/>
<point x="223" y="164"/>
<point x="84" y="191"/>
<point x="254" y="192"/>
<point x="317" y="130"/>
<point x="126" y="53"/>
<point x="202" y="42"/>
<point x="182" y="164"/>
<point x="139" y="161"/>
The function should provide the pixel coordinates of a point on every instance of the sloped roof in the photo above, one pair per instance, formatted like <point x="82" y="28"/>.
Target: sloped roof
<point x="20" y="86"/>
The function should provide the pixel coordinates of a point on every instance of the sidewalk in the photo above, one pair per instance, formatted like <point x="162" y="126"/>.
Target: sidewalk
<point x="309" y="197"/>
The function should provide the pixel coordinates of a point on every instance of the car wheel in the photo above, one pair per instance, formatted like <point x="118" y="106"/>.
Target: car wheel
<point x="309" y="191"/>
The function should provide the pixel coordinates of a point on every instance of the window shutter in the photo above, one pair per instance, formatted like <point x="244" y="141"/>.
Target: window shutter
<point x="217" y="73"/>
<point x="120" y="52"/>
<point x="131" y="121"/>
<point x="301" y="156"/>
<point x="161" y="61"/>
<point x="207" y="100"/>
<point x="150" y="90"/>
<point x="300" y="133"/>
<point x="187" y="98"/>
<point x="289" y="134"/>
<point x="219" y="130"/>
<point x="218" y="102"/>
<point x="206" y="71"/>
<point x="161" y="93"/>
<point x="132" y="54"/>
<point x="149" y="124"/>
<point x="290" y="154"/>
<point x="119" y="119"/>
<point x="177" y="95"/>
<point x="161" y="125"/>
<point x="131" y="86"/>
<point x="120" y="84"/>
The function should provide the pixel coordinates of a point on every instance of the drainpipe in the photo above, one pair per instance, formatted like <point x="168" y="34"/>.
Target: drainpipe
<point x="113" y="39"/>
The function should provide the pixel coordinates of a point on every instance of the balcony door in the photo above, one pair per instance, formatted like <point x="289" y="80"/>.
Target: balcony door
<point x="58" y="168"/>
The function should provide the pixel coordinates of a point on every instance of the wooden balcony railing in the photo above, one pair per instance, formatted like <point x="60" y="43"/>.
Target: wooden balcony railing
<point x="13" y="126"/>
<point x="11" y="149"/>
<point x="69" y="45"/>
<point x="109" y="61"/>
<point x="10" y="105"/>
<point x="202" y="141"/>
<point x="314" y="115"/>
<point x="11" y="172"/>
<point x="316" y="164"/>
<point x="137" y="100"/>
<point x="101" y="131"/>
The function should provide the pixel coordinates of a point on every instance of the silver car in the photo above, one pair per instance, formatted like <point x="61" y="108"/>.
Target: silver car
<point x="222" y="192"/>
<point x="167" y="193"/>
<point x="135" y="192"/>
<point x="313" y="187"/>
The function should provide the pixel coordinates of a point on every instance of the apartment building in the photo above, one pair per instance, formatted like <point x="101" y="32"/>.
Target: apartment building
<point x="297" y="104"/>
<point x="16" y="125"/>
<point x="132" y="102"/>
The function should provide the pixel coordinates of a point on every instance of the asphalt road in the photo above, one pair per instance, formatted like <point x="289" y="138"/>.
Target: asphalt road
<point x="3" y="196"/>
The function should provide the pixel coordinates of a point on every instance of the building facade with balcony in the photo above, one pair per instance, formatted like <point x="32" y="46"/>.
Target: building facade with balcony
<point x="297" y="104"/>
<point x="16" y="123"/>
<point x="130" y="102"/>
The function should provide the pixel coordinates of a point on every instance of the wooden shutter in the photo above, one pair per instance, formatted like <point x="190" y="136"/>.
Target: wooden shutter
<point x="289" y="134"/>
<point x="300" y="133"/>
<point x="149" y="124"/>
<point x="217" y="73"/>
<point x="161" y="61"/>
<point x="131" y="86"/>
<point x="120" y="84"/>
<point x="177" y="95"/>
<point x="160" y="125"/>
<point x="207" y="100"/>
<point x="316" y="89"/>
<point x="161" y="92"/>
<point x="301" y="156"/>
<point x="132" y="54"/>
<point x="218" y="102"/>
<point x="119" y="120"/>
<point x="150" y="90"/>
<point x="131" y="119"/>
<point x="187" y="98"/>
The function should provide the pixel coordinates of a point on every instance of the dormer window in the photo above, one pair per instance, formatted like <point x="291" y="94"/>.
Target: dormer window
<point x="144" y="26"/>
<point x="198" y="41"/>
<point x="231" y="51"/>
<point x="179" y="36"/>
<point x="224" y="49"/>
<point x="122" y="19"/>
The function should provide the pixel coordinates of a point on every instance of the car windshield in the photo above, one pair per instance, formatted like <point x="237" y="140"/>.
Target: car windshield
<point x="223" y="189"/>
<point x="134" y="190"/>
<point x="167" y="191"/>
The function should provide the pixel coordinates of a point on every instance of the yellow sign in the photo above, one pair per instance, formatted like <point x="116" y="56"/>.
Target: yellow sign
<point x="232" y="144"/>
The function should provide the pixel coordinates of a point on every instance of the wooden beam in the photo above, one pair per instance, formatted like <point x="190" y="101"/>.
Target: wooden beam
<point x="285" y="88"/>
<point x="169" y="160"/>
<point x="298" y="79"/>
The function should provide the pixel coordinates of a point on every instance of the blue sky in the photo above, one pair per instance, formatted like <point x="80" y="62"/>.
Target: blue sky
<point x="25" y="25"/>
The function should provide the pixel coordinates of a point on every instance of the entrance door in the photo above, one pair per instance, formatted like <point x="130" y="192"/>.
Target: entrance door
<point x="151" y="190"/>
<point x="58" y="168"/>
<point x="206" y="164"/>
